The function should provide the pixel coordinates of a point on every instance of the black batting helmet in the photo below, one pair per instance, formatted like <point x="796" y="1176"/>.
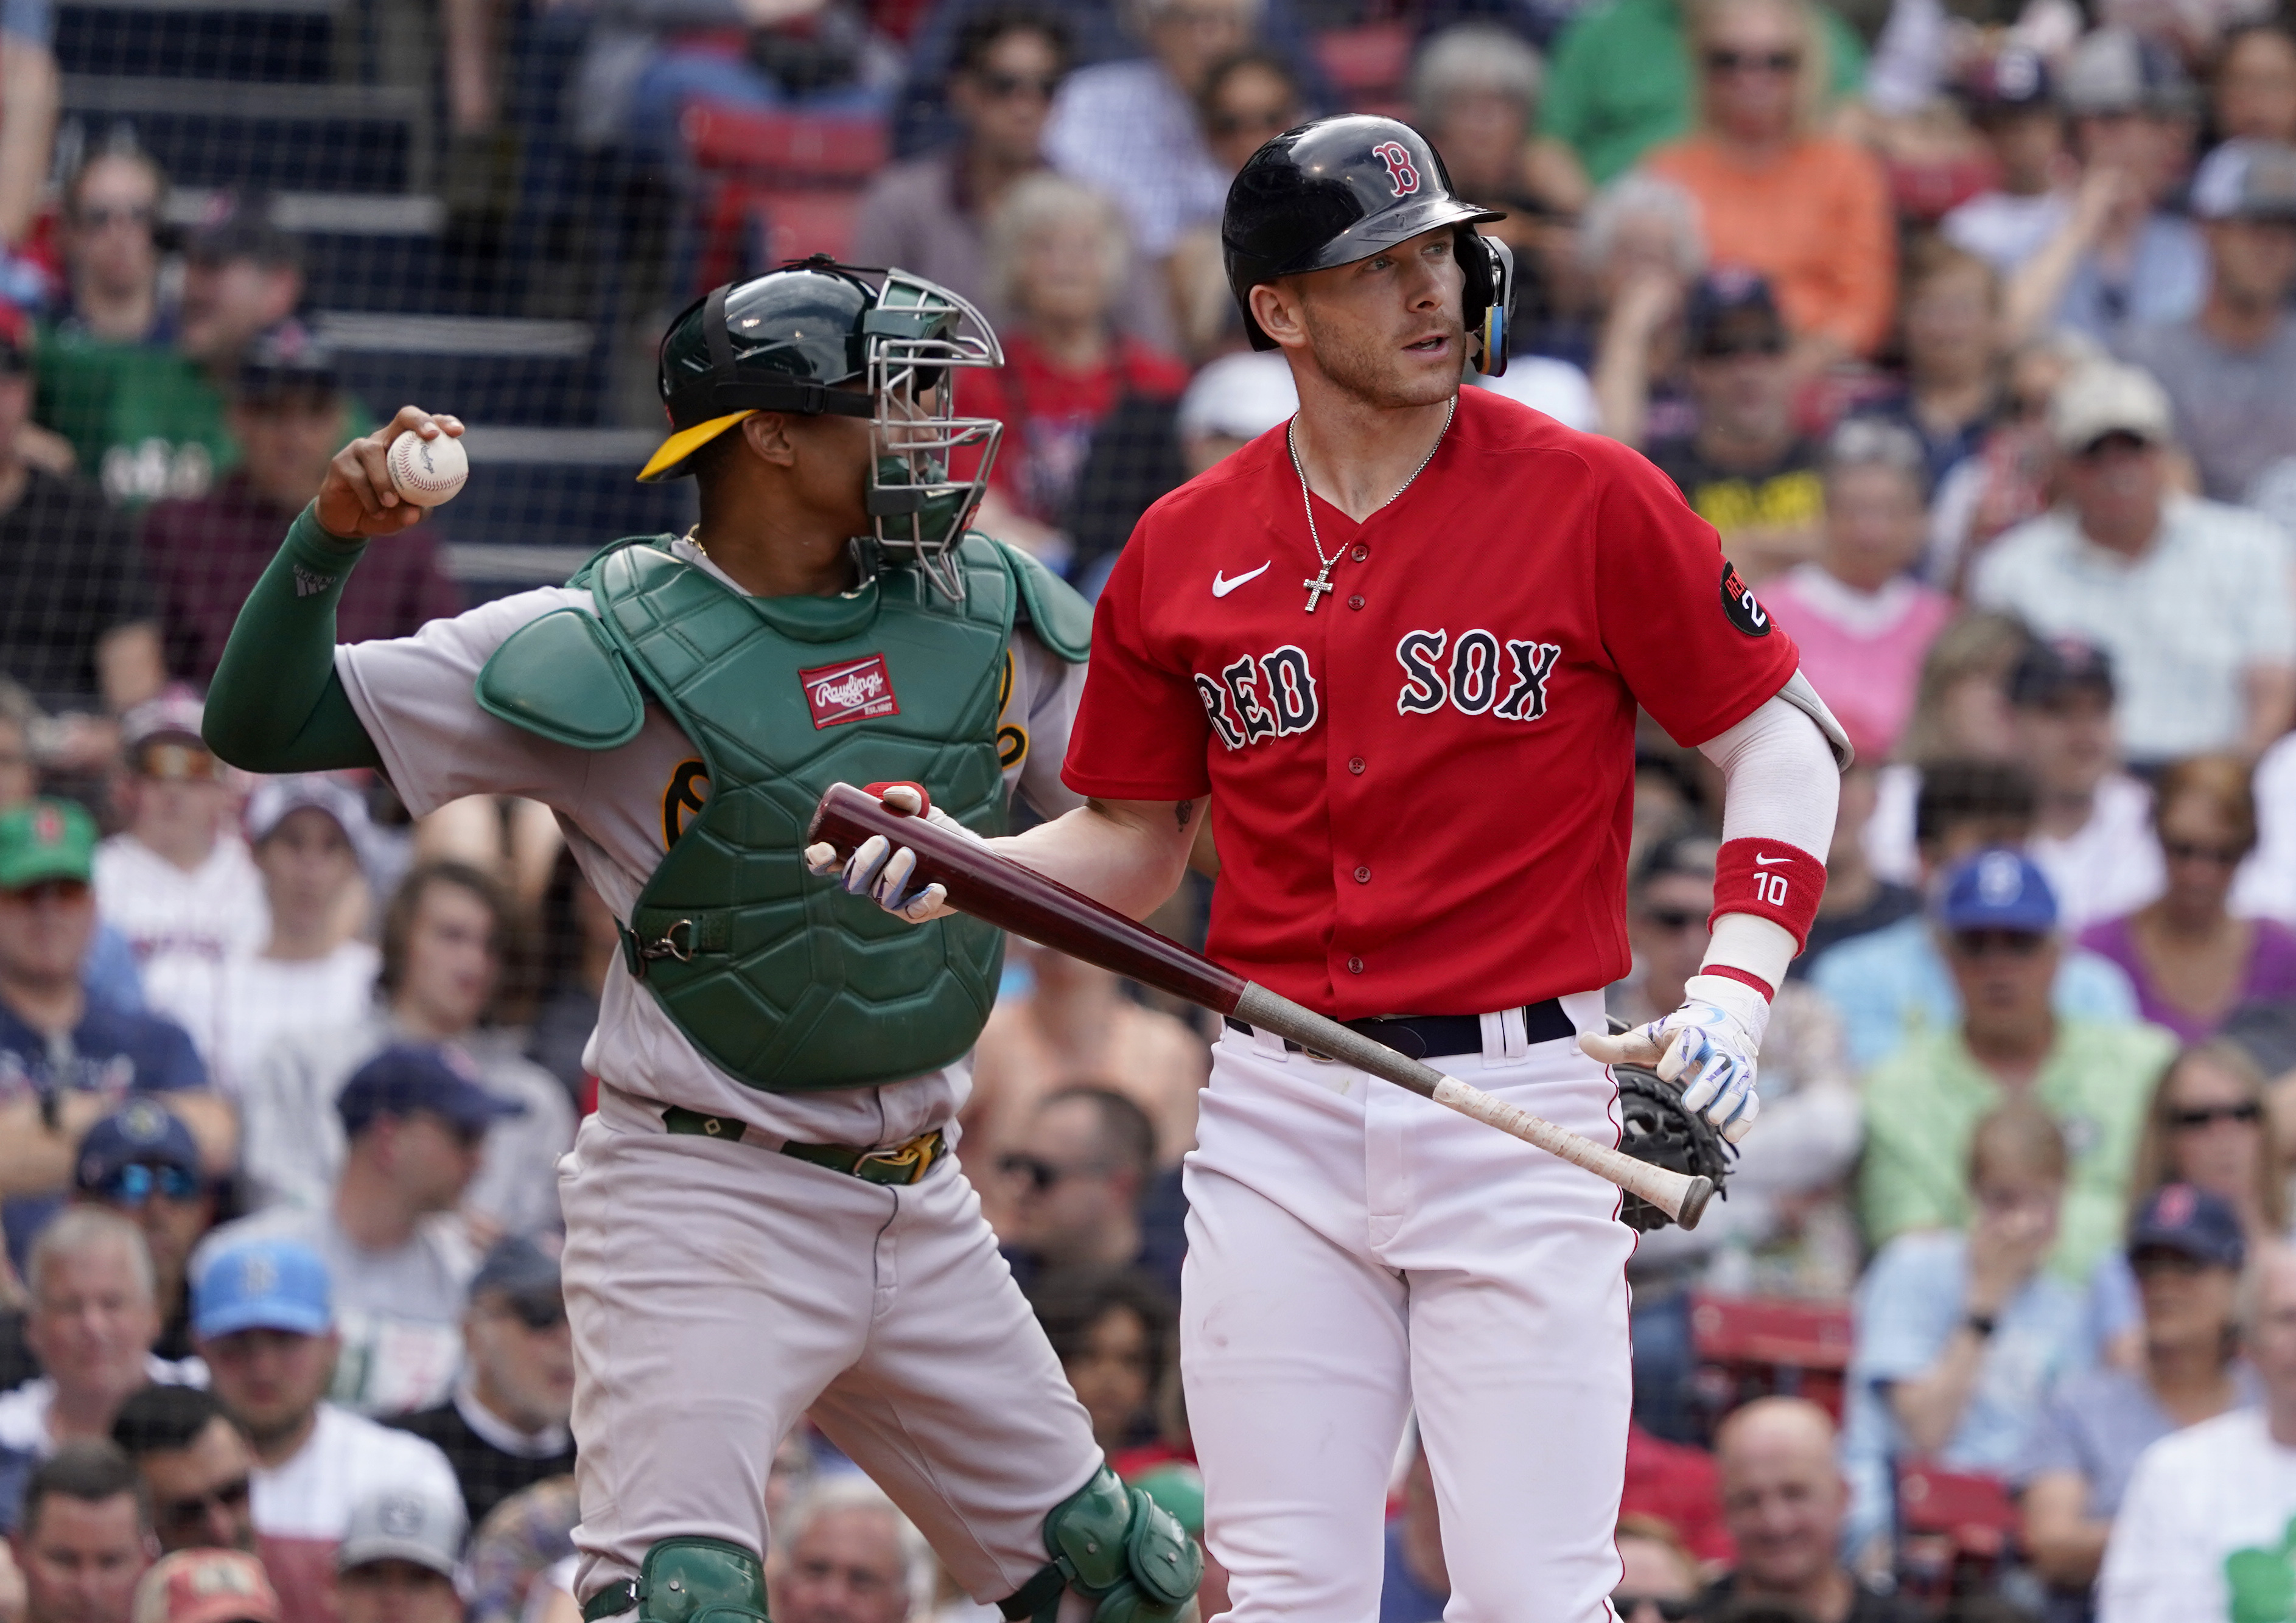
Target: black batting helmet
<point x="1334" y="190"/>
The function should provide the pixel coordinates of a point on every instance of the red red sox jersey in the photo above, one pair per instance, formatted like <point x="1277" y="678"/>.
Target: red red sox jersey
<point x="1421" y="791"/>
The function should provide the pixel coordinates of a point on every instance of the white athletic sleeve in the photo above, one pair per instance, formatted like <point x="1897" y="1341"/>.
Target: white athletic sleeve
<point x="1781" y="781"/>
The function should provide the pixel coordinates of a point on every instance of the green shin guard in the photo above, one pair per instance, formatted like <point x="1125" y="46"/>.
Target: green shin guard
<point x="688" y="1580"/>
<point x="1118" y="1548"/>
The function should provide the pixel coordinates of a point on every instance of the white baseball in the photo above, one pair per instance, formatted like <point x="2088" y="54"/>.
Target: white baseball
<point x="428" y="472"/>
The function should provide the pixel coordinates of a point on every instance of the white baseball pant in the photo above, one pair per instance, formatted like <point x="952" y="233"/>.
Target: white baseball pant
<point x="718" y="1290"/>
<point x="1356" y="1251"/>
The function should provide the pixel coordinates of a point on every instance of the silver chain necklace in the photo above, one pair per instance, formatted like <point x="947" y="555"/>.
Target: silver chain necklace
<point x="1321" y="586"/>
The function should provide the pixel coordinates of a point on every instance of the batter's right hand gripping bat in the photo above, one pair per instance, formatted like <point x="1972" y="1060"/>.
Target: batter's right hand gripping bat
<point x="1001" y="892"/>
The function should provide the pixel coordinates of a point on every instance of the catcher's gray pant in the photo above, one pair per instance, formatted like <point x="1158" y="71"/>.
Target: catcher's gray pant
<point x="1356" y="1251"/>
<point x="719" y="1290"/>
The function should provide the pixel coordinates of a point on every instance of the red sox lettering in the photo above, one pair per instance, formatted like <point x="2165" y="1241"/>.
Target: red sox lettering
<point x="1468" y="681"/>
<point x="1273" y="696"/>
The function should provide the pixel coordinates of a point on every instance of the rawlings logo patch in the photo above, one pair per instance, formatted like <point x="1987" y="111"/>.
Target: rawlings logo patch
<point x="1740" y="604"/>
<point x="858" y="690"/>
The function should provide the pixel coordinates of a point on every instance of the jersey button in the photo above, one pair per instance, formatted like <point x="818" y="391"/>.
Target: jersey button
<point x="1360" y="554"/>
<point x="1356" y="602"/>
<point x="1355" y="765"/>
<point x="1355" y="966"/>
<point x="1363" y="876"/>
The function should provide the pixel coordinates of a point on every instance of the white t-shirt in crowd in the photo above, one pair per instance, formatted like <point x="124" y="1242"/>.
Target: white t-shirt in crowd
<point x="301" y="1506"/>
<point x="2109" y="866"/>
<point x="2210" y="1518"/>
<point x="264" y="999"/>
<point x="1546" y="384"/>
<point x="182" y="924"/>
<point x="24" y="1409"/>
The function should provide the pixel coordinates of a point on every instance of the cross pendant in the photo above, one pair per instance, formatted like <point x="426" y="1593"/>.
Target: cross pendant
<point x="1321" y="586"/>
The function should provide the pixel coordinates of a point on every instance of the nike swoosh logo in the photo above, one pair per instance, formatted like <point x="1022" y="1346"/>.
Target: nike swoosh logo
<point x="1759" y="862"/>
<point x="1222" y="585"/>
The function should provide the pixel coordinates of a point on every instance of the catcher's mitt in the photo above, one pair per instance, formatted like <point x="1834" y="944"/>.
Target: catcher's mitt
<point x="1655" y="1127"/>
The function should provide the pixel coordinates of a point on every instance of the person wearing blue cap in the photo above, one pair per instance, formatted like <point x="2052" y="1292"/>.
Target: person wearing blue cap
<point x="263" y="1311"/>
<point x="143" y="1162"/>
<point x="417" y="1125"/>
<point x="2186" y="1250"/>
<point x="1997" y="920"/>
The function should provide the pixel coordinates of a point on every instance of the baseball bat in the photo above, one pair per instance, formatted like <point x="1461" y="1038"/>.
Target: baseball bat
<point x="999" y="891"/>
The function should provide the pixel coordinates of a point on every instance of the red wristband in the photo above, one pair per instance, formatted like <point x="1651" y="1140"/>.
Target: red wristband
<point x="1770" y="880"/>
<point x="1745" y="978"/>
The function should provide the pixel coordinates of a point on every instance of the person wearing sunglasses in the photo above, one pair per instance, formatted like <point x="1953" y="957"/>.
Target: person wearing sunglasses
<point x="1995" y="920"/>
<point x="197" y="1467"/>
<point x="1659" y="1583"/>
<point x="143" y="1162"/>
<point x="504" y="1426"/>
<point x="416" y="1126"/>
<point x="110" y="224"/>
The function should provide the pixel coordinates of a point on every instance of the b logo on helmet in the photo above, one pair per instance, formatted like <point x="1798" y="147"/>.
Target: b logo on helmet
<point x="1402" y="174"/>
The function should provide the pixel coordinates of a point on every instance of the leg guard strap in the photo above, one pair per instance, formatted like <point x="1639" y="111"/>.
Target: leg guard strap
<point x="1118" y="1548"/>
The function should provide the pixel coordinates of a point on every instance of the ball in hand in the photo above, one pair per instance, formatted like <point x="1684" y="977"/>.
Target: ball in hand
<point x="427" y="471"/>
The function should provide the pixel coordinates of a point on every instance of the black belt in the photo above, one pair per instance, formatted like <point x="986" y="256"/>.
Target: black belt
<point x="1429" y="1037"/>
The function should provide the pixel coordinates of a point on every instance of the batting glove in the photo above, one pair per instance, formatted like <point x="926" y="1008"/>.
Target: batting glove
<point x="1707" y="1046"/>
<point x="884" y="871"/>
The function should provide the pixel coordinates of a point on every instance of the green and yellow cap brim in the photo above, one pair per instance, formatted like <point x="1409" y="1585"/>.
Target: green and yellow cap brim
<point x="668" y="460"/>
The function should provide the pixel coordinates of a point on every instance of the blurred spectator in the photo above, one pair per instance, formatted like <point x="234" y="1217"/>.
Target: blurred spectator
<point x="78" y="613"/>
<point x="289" y="415"/>
<point x="1416" y="1582"/>
<point x="196" y="1466"/>
<point x="1677" y="1484"/>
<point x="1112" y="1331"/>
<point x="1862" y="624"/>
<point x="109" y="970"/>
<point x="818" y="56"/>
<point x="2185" y="1252"/>
<point x="2189" y="597"/>
<point x="305" y="832"/>
<point x="262" y="1314"/>
<point x="2253" y="92"/>
<point x="396" y="1563"/>
<point x="162" y="428"/>
<point x="1922" y="1104"/>
<point x="1057" y="254"/>
<point x="2191" y="961"/>
<point x="505" y="1427"/>
<point x="2226" y="370"/>
<point x="443" y="937"/>
<point x="206" y="1586"/>
<point x="580" y="940"/>
<point x="67" y="1060"/>
<point x="1248" y="100"/>
<point x="1474" y="93"/>
<point x="1231" y="402"/>
<point x="1858" y="901"/>
<point x="29" y="92"/>
<point x="1961" y="1329"/>
<point x="1073" y="1181"/>
<point x="83" y="1537"/>
<point x="1746" y="469"/>
<point x="1960" y="714"/>
<point x="1640" y="244"/>
<point x="1893" y="986"/>
<point x="401" y="1261"/>
<point x="2117" y="258"/>
<point x="1807" y="211"/>
<point x="177" y="882"/>
<point x="2012" y="98"/>
<point x="143" y="1162"/>
<point x="92" y="1322"/>
<point x="1657" y="1575"/>
<point x="2092" y="832"/>
<point x="514" y="1551"/>
<point x="2203" y="1529"/>
<point x="1784" y="1498"/>
<point x="1075" y="1025"/>
<point x="1951" y="323"/>
<point x="929" y="215"/>
<point x="1620" y="82"/>
<point x="108" y="223"/>
<point x="845" y="1554"/>
<point x="1130" y="130"/>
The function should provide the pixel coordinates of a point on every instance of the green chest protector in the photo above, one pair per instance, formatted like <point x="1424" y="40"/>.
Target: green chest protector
<point x="781" y="978"/>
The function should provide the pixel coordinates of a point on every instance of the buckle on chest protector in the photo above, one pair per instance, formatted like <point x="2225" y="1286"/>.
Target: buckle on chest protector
<point x="679" y="941"/>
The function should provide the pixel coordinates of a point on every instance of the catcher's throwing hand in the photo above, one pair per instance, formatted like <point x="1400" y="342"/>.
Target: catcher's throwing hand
<point x="885" y="872"/>
<point x="356" y="497"/>
<point x="1708" y="1046"/>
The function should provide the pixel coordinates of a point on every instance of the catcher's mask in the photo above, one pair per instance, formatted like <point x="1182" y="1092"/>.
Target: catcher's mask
<point x="800" y="339"/>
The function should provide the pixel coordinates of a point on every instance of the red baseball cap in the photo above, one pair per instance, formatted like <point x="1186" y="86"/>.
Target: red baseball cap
<point x="206" y="1586"/>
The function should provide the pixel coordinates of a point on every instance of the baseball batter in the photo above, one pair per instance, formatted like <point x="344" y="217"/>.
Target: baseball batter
<point x="1398" y="647"/>
<point x="762" y="1217"/>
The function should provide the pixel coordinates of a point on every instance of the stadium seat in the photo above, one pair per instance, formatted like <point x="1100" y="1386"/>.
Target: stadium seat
<point x="1756" y="1347"/>
<point x="1957" y="1531"/>
<point x="775" y="186"/>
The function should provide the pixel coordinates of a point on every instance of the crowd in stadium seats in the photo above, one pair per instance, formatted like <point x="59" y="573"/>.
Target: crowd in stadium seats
<point x="1965" y="323"/>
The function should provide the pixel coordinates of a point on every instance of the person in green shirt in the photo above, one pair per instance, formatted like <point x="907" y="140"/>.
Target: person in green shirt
<point x="1619" y="83"/>
<point x="1998" y="920"/>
